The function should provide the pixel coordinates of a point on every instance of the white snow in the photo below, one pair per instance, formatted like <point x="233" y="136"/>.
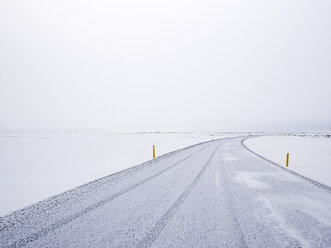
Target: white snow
<point x="309" y="156"/>
<point x="192" y="198"/>
<point x="250" y="179"/>
<point x="274" y="218"/>
<point x="37" y="165"/>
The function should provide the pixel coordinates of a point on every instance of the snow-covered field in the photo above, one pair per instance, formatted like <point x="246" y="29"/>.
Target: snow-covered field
<point x="37" y="165"/>
<point x="309" y="156"/>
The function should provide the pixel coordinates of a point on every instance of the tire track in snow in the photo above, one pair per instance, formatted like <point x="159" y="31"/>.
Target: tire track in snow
<point x="152" y="235"/>
<point x="44" y="231"/>
<point x="228" y="196"/>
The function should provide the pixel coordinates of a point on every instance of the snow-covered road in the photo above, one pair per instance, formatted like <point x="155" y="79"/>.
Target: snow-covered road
<point x="214" y="194"/>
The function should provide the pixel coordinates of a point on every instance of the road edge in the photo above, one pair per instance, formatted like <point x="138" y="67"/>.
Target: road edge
<point x="311" y="181"/>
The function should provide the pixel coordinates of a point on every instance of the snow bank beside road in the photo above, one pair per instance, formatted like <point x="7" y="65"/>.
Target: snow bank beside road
<point x="309" y="156"/>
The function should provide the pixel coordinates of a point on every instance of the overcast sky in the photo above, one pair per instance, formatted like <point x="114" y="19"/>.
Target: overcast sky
<point x="150" y="65"/>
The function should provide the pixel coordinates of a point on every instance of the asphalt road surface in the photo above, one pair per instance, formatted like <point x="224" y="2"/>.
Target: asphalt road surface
<point x="214" y="194"/>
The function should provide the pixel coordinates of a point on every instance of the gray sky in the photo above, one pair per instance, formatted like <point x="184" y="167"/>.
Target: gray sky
<point x="144" y="65"/>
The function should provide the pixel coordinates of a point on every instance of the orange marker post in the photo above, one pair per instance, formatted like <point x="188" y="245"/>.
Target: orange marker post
<point x="153" y="151"/>
<point x="287" y="158"/>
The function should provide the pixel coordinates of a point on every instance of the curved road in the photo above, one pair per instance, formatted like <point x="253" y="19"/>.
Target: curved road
<point x="214" y="194"/>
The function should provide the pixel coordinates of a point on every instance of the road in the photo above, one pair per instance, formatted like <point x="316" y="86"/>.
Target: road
<point x="214" y="194"/>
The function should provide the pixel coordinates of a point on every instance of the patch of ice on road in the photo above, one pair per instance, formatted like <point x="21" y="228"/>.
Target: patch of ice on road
<point x="228" y="147"/>
<point x="277" y="221"/>
<point x="217" y="179"/>
<point x="250" y="179"/>
<point x="228" y="157"/>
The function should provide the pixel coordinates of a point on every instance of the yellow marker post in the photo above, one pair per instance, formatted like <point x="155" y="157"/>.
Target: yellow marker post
<point x="153" y="151"/>
<point x="287" y="158"/>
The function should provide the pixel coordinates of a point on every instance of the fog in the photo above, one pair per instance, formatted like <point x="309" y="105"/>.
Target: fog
<point x="165" y="65"/>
